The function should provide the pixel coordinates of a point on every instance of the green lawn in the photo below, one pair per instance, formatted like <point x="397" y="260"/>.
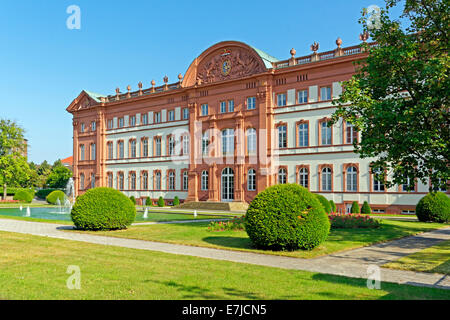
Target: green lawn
<point x="35" y="267"/>
<point x="435" y="259"/>
<point x="341" y="239"/>
<point x="36" y="219"/>
<point x="31" y="205"/>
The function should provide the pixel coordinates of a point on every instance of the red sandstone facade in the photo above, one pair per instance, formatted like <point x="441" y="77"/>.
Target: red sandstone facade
<point x="136" y="141"/>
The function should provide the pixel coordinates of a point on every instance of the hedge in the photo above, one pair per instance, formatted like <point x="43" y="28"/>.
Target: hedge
<point x="55" y="195"/>
<point x="13" y="191"/>
<point x="435" y="207"/>
<point x="43" y="193"/>
<point x="103" y="209"/>
<point x="325" y="203"/>
<point x="286" y="217"/>
<point x="333" y="206"/>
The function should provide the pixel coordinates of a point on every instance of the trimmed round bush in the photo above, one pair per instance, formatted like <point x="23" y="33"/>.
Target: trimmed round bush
<point x="325" y="203"/>
<point x="366" y="208"/>
<point x="176" y="201"/>
<point x="333" y="206"/>
<point x="55" y="195"/>
<point x="148" y="202"/>
<point x="24" y="196"/>
<point x="434" y="207"/>
<point x="286" y="217"/>
<point x="161" y="202"/>
<point x="103" y="209"/>
<point x="355" y="207"/>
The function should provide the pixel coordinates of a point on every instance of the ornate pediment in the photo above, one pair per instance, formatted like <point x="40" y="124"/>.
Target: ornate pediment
<point x="227" y="64"/>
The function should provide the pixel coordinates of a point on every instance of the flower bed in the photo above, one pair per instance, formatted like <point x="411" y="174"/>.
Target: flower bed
<point x="236" y="224"/>
<point x="344" y="221"/>
<point x="9" y="201"/>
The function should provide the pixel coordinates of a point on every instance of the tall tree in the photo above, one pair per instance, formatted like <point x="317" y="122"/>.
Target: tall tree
<point x="59" y="176"/>
<point x="13" y="166"/>
<point x="399" y="97"/>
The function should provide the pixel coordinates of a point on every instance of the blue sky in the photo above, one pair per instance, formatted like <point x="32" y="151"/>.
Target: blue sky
<point x="44" y="65"/>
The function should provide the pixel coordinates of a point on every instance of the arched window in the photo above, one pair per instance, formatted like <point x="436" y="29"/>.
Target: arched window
<point x="132" y="148"/>
<point x="93" y="151"/>
<point x="303" y="134"/>
<point x="92" y="180"/>
<point x="205" y="180"/>
<point x="158" y="180"/>
<point x="171" y="180"/>
<point x="145" y="180"/>
<point x="121" y="150"/>
<point x="303" y="177"/>
<point x="145" y="147"/>
<point x="228" y="141"/>
<point x="351" y="132"/>
<point x="326" y="179"/>
<point x="120" y="180"/>
<point x="325" y="133"/>
<point x="82" y="152"/>
<point x="352" y="179"/>
<point x="186" y="144"/>
<point x="282" y="176"/>
<point x="110" y="180"/>
<point x="110" y="150"/>
<point x="133" y="180"/>
<point x="251" y="141"/>
<point x="251" y="181"/>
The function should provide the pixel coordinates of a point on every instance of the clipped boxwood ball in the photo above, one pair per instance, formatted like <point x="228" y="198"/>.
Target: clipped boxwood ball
<point x="55" y="195"/>
<point x="286" y="217"/>
<point x="103" y="209"/>
<point x="24" y="196"/>
<point x="325" y="203"/>
<point x="434" y="207"/>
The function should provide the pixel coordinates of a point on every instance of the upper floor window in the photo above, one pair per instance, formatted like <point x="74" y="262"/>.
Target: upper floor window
<point x="145" y="119"/>
<point x="251" y="141"/>
<point x="158" y="146"/>
<point x="303" y="134"/>
<point x="82" y="127"/>
<point x="145" y="180"/>
<point x="133" y="181"/>
<point x="82" y="152"/>
<point x="157" y="180"/>
<point x="109" y="180"/>
<point x="409" y="185"/>
<point x="251" y="103"/>
<point x="230" y="105"/>
<point x="92" y="180"/>
<point x="281" y="99"/>
<point x="110" y="124"/>
<point x="352" y="179"/>
<point x="205" y="143"/>
<point x="223" y="106"/>
<point x="171" y="146"/>
<point x="171" y="115"/>
<point x="93" y="151"/>
<point x="133" y="148"/>
<point x="93" y="126"/>
<point x="204" y="109"/>
<point x="110" y="150"/>
<point x="325" y="93"/>
<point x="251" y="181"/>
<point x="121" y="122"/>
<point x="350" y="132"/>
<point x="185" y="113"/>
<point x="121" y="150"/>
<point x="145" y="147"/>
<point x="325" y="133"/>
<point x="326" y="179"/>
<point x="303" y="96"/>
<point x="228" y="141"/>
<point x="282" y="136"/>
<point x="120" y="181"/>
<point x="157" y="117"/>
<point x="132" y="121"/>
<point x="185" y="144"/>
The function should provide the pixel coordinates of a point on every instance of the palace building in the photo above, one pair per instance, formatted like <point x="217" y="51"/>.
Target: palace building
<point x="237" y="122"/>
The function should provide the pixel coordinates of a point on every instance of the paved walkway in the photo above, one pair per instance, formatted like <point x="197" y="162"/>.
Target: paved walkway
<point x="351" y="263"/>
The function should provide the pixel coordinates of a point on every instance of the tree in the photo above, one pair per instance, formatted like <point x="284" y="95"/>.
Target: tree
<point x="399" y="97"/>
<point x="355" y="207"/>
<point x="14" y="168"/>
<point x="366" y="208"/>
<point x="59" y="176"/>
